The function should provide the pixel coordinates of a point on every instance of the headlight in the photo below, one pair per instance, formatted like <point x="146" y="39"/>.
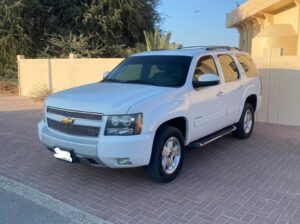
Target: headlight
<point x="129" y="124"/>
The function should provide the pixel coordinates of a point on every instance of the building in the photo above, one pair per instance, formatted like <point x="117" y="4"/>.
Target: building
<point x="268" y="24"/>
<point x="270" y="31"/>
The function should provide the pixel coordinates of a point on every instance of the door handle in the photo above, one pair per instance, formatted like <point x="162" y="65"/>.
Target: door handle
<point x="241" y="87"/>
<point x="221" y="93"/>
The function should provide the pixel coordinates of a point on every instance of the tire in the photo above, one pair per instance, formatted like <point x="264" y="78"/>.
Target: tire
<point x="168" y="149"/>
<point x="244" y="129"/>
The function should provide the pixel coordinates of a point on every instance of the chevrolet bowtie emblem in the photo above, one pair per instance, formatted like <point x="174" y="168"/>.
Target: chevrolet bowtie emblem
<point x="67" y="120"/>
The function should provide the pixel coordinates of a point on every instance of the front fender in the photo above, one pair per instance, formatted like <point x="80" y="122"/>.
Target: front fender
<point x="160" y="109"/>
<point x="168" y="112"/>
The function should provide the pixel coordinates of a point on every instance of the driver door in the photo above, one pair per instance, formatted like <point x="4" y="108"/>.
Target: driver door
<point x="207" y="108"/>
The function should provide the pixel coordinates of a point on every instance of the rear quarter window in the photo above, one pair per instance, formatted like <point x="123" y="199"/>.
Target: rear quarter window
<point x="248" y="65"/>
<point x="229" y="68"/>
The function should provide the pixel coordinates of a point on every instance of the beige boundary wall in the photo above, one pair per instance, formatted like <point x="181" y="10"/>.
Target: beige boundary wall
<point x="280" y="76"/>
<point x="60" y="74"/>
<point x="281" y="87"/>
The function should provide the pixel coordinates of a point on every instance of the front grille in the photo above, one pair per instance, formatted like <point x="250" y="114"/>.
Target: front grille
<point x="75" y="114"/>
<point x="73" y="129"/>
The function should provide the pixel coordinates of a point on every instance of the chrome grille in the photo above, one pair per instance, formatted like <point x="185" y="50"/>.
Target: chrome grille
<point x="74" y="114"/>
<point x="73" y="129"/>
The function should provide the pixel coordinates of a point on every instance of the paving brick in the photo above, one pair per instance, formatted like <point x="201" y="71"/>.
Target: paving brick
<point x="248" y="217"/>
<point x="297" y="213"/>
<point x="256" y="180"/>
<point x="196" y="220"/>
<point x="221" y="220"/>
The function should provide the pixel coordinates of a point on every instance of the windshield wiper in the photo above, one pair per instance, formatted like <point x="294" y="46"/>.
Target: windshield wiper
<point x="142" y="82"/>
<point x="113" y="80"/>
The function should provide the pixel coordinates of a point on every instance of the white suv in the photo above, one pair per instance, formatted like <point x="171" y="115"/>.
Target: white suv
<point x="152" y="107"/>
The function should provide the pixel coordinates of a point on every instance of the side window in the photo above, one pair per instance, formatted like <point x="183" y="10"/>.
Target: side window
<point x="248" y="65"/>
<point x="229" y="68"/>
<point x="205" y="65"/>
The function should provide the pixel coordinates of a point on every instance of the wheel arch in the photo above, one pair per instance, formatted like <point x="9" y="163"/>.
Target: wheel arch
<point x="179" y="122"/>
<point x="252" y="99"/>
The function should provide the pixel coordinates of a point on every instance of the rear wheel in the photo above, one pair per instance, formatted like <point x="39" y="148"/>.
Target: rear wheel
<point x="246" y="123"/>
<point x="167" y="155"/>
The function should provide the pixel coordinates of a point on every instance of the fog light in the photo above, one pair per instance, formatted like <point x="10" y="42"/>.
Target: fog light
<point x="124" y="161"/>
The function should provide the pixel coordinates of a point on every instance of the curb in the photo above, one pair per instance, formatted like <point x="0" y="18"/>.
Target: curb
<point x="65" y="210"/>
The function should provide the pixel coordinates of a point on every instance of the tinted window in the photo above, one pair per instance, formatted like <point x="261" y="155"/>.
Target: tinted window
<point x="131" y="72"/>
<point x="229" y="68"/>
<point x="248" y="64"/>
<point x="205" y="65"/>
<point x="169" y="71"/>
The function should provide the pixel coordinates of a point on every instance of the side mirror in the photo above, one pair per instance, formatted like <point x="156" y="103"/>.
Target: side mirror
<point x="207" y="80"/>
<point x="105" y="74"/>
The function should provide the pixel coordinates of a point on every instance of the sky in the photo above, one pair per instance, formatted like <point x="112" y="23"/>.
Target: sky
<point x="199" y="22"/>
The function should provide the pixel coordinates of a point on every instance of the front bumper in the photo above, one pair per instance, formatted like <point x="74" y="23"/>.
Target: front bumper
<point x="101" y="151"/>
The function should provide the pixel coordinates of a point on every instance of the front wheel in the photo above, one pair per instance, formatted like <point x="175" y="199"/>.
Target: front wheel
<point x="246" y="123"/>
<point x="167" y="155"/>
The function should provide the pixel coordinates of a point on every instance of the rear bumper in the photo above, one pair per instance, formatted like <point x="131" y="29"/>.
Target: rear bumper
<point x="102" y="151"/>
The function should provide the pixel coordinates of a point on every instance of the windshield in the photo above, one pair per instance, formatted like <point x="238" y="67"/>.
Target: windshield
<point x="168" y="71"/>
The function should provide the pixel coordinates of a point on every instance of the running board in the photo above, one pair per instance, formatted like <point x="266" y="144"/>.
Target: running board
<point x="212" y="137"/>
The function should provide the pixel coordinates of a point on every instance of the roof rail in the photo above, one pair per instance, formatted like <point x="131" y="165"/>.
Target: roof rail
<point x="228" y="48"/>
<point x="212" y="48"/>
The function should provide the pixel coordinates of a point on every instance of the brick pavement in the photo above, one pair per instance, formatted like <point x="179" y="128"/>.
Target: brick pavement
<point x="230" y="181"/>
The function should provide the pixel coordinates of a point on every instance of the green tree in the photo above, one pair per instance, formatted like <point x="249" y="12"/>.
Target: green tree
<point x="154" y="40"/>
<point x="13" y="38"/>
<point x="91" y="28"/>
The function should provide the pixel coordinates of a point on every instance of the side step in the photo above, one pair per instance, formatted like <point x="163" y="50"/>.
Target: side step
<point x="212" y="137"/>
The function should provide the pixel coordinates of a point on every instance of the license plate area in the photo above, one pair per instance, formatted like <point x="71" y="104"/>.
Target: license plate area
<point x="63" y="155"/>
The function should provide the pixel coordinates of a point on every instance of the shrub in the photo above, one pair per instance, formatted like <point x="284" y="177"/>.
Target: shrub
<point x="39" y="92"/>
<point x="8" y="87"/>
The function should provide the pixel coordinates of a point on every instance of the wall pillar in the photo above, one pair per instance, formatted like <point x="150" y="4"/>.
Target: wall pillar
<point x="246" y="37"/>
<point x="249" y="35"/>
<point x="50" y="82"/>
<point x="241" y="36"/>
<point x="19" y="58"/>
<point x="298" y="42"/>
<point x="72" y="58"/>
<point x="258" y="25"/>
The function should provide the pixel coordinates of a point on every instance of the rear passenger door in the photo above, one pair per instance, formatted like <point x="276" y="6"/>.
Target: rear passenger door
<point x="234" y="87"/>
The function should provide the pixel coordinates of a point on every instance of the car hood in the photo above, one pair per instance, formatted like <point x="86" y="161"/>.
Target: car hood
<point x="106" y="98"/>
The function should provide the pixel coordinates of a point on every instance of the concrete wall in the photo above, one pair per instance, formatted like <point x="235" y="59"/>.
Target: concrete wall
<point x="281" y="87"/>
<point x="267" y="24"/>
<point x="280" y="76"/>
<point x="59" y="74"/>
<point x="287" y="16"/>
<point x="270" y="31"/>
<point x="251" y="8"/>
